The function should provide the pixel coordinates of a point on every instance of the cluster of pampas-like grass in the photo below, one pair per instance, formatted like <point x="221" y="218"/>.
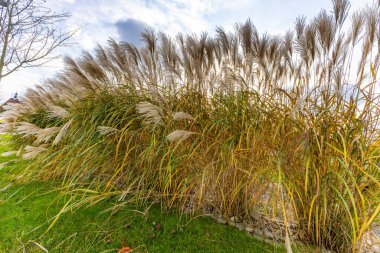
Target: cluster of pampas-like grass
<point x="240" y="124"/>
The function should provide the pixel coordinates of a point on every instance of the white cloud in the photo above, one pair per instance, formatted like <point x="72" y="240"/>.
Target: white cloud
<point x="66" y="1"/>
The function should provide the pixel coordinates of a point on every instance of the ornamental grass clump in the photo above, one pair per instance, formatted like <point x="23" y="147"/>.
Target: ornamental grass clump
<point x="240" y="124"/>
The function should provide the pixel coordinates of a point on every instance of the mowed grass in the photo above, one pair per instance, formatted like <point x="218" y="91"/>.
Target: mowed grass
<point x="28" y="209"/>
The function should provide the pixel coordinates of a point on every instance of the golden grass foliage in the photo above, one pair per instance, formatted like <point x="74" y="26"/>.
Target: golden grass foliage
<point x="235" y="124"/>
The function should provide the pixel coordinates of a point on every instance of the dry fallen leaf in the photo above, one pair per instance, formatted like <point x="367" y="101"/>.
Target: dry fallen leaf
<point x="125" y="250"/>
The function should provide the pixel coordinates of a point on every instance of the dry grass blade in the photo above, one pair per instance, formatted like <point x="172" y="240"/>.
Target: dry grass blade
<point x="27" y="129"/>
<point x="46" y="134"/>
<point x="32" y="152"/>
<point x="57" y="111"/>
<point x="62" y="132"/>
<point x="9" y="153"/>
<point x="182" y="116"/>
<point x="152" y="113"/>
<point x="179" y="135"/>
<point x="104" y="130"/>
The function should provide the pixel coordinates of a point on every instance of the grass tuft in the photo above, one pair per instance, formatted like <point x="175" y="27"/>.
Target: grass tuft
<point x="267" y="129"/>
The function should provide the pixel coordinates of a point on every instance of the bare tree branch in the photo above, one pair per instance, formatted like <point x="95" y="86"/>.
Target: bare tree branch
<point x="3" y="3"/>
<point x="29" y="32"/>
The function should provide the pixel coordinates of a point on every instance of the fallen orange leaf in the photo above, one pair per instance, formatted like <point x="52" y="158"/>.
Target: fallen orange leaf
<point x="125" y="250"/>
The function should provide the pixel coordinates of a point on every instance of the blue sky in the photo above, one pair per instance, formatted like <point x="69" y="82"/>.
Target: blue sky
<point x="125" y="19"/>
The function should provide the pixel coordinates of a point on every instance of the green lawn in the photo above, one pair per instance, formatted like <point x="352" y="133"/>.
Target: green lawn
<point x="27" y="210"/>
